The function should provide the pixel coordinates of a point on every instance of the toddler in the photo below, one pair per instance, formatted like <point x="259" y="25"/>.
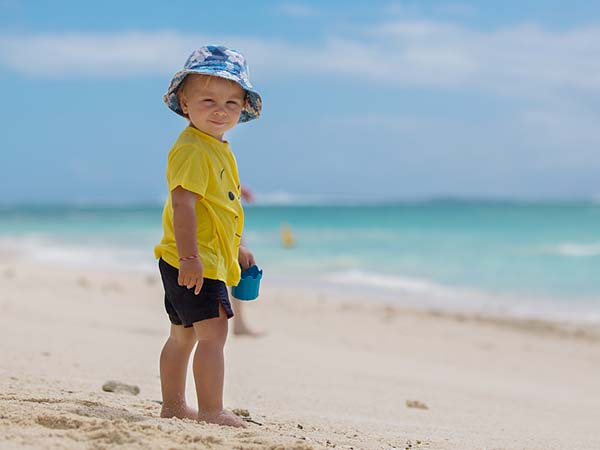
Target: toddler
<point x="200" y="252"/>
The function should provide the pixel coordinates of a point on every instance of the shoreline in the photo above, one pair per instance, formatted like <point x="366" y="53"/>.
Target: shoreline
<point x="380" y="299"/>
<point x="577" y="311"/>
<point x="578" y="328"/>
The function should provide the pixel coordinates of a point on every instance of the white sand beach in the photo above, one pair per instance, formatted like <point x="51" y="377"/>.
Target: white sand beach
<point x="328" y="374"/>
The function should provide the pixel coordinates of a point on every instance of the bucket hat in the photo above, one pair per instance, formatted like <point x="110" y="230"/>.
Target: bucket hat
<point x="217" y="61"/>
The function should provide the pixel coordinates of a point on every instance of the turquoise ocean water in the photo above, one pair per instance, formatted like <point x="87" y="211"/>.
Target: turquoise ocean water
<point x="523" y="258"/>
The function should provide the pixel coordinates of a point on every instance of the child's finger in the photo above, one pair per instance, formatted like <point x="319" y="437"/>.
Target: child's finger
<point x="199" y="283"/>
<point x="251" y="261"/>
<point x="185" y="280"/>
<point x="191" y="282"/>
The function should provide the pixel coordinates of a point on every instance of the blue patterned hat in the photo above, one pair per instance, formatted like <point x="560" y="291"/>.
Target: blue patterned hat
<point x="217" y="61"/>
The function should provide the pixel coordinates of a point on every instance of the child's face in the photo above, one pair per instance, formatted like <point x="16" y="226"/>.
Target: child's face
<point x="213" y="104"/>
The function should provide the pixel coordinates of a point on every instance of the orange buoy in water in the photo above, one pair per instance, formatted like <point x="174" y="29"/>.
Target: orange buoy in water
<point x="287" y="236"/>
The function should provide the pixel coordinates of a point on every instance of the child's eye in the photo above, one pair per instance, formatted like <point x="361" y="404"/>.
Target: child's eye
<point x="208" y="100"/>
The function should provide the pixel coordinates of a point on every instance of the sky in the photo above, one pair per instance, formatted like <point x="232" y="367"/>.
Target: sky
<point x="375" y="100"/>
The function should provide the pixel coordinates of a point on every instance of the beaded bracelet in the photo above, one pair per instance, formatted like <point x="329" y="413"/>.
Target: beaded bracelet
<point x="188" y="258"/>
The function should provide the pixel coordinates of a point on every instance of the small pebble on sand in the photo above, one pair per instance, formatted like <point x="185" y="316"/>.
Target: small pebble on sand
<point x="241" y="412"/>
<point x="416" y="404"/>
<point x="119" y="388"/>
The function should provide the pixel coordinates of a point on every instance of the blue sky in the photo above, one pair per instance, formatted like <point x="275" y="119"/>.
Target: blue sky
<point x="362" y="100"/>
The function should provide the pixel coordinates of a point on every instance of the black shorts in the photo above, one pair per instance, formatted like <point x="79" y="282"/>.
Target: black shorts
<point x="183" y="306"/>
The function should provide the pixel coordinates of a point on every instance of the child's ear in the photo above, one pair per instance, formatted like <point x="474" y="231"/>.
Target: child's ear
<point x="183" y="103"/>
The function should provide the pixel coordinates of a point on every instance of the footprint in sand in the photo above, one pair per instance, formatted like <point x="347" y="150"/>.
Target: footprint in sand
<point x="112" y="287"/>
<point x="107" y="412"/>
<point x="58" y="422"/>
<point x="83" y="282"/>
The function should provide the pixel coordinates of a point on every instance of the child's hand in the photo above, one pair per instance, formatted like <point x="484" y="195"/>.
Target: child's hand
<point x="190" y="274"/>
<point x="245" y="258"/>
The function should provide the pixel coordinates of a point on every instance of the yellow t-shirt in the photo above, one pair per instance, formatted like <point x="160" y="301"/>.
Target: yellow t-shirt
<point x="206" y="166"/>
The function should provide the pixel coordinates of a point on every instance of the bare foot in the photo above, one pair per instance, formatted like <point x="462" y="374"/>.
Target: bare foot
<point x="222" y="418"/>
<point x="180" y="412"/>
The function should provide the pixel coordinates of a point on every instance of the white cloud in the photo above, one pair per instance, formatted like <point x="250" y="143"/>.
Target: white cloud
<point x="525" y="60"/>
<point x="94" y="55"/>
<point x="506" y="59"/>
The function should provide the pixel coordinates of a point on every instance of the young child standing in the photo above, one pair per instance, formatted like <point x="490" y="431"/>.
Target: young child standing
<point x="200" y="252"/>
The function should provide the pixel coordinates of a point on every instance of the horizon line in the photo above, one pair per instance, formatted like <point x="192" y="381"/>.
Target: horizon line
<point x="306" y="201"/>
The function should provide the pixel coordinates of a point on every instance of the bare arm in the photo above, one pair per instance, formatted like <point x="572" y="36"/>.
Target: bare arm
<point x="184" y="224"/>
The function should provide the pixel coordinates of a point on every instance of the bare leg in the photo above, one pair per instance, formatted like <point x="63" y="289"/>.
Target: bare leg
<point x="209" y="371"/>
<point x="240" y="328"/>
<point x="174" y="360"/>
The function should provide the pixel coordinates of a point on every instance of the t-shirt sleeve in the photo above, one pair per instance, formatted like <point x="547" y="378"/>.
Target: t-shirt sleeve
<point x="187" y="167"/>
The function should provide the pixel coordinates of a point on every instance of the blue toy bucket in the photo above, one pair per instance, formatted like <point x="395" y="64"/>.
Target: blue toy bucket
<point x="247" y="289"/>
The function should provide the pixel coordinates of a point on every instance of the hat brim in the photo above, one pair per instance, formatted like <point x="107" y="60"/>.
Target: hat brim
<point x="252" y="107"/>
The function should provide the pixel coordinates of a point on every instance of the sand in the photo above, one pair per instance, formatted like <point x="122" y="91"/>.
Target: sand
<point x="330" y="372"/>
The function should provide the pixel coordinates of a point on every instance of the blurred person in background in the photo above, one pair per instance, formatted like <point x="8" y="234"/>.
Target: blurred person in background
<point x="240" y="327"/>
